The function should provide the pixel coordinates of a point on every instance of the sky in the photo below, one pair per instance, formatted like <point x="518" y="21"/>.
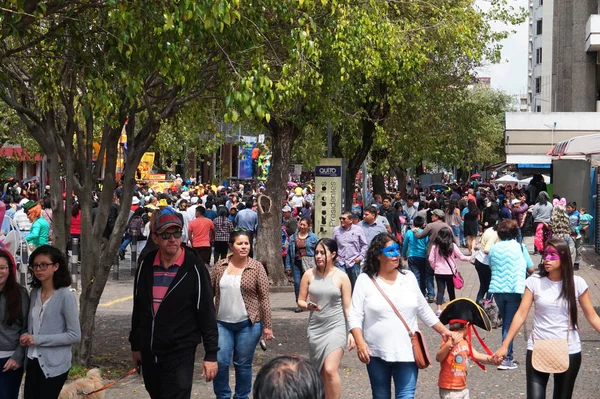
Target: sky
<point x="510" y="75"/>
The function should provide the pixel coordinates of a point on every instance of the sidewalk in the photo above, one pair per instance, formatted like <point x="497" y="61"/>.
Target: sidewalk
<point x="113" y="321"/>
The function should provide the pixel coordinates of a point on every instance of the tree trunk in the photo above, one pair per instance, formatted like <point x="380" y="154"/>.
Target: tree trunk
<point x="379" y="184"/>
<point x="401" y="176"/>
<point x="351" y="173"/>
<point x="268" y="240"/>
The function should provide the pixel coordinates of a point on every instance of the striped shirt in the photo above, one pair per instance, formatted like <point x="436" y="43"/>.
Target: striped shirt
<point x="163" y="277"/>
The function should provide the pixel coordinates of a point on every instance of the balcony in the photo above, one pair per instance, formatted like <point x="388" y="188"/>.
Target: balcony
<point x="592" y="34"/>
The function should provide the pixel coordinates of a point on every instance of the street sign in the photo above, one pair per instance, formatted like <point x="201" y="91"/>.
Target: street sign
<point x="328" y="196"/>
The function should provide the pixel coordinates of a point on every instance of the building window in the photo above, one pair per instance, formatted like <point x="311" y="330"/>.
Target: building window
<point x="538" y="108"/>
<point x="538" y="56"/>
<point x="538" y="27"/>
<point x="538" y="85"/>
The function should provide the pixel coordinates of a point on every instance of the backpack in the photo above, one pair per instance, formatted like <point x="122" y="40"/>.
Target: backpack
<point x="136" y="223"/>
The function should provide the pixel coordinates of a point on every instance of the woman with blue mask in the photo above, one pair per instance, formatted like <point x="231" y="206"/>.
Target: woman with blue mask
<point x="377" y="329"/>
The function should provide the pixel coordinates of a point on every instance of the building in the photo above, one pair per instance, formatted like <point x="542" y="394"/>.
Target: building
<point x="539" y="75"/>
<point x="576" y="41"/>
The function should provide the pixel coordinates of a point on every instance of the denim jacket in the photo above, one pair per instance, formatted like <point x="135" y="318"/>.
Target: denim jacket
<point x="311" y="243"/>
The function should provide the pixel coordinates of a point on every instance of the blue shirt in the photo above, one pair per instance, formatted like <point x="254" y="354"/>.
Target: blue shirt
<point x="414" y="247"/>
<point x="247" y="219"/>
<point x="209" y="213"/>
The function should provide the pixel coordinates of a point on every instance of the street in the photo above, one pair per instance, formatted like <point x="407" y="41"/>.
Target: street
<point x="112" y="348"/>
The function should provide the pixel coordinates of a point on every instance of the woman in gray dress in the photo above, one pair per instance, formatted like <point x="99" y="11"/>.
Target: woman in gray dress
<point x="329" y="296"/>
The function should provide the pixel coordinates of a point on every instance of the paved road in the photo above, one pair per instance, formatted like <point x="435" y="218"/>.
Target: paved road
<point x="290" y="332"/>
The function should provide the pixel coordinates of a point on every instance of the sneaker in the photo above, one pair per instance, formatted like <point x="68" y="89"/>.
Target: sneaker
<point x="508" y="364"/>
<point x="430" y="299"/>
<point x="298" y="310"/>
<point x="438" y="313"/>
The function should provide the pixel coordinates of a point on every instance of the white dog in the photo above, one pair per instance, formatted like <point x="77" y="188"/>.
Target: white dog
<point x="91" y="382"/>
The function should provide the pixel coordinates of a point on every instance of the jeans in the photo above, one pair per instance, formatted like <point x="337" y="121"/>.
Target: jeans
<point x="297" y="274"/>
<point x="507" y="306"/>
<point x="563" y="382"/>
<point x="456" y="232"/>
<point x="240" y="340"/>
<point x="168" y="379"/>
<point x="381" y="374"/>
<point x="37" y="386"/>
<point x="443" y="281"/>
<point x="419" y="268"/>
<point x="126" y="241"/>
<point x="353" y="273"/>
<point x="429" y="277"/>
<point x="485" y="277"/>
<point x="10" y="381"/>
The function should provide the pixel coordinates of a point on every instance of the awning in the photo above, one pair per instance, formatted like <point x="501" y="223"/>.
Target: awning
<point x="582" y="145"/>
<point x="19" y="153"/>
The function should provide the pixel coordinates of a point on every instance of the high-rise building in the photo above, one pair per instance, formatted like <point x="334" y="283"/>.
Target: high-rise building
<point x="540" y="55"/>
<point x="576" y="41"/>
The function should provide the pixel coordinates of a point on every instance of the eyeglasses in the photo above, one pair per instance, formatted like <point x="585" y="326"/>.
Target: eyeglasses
<point x="166" y="236"/>
<point x="3" y="268"/>
<point x="343" y="218"/>
<point x="40" y="266"/>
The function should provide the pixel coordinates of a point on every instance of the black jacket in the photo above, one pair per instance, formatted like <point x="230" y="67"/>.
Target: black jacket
<point x="185" y="318"/>
<point x="392" y="216"/>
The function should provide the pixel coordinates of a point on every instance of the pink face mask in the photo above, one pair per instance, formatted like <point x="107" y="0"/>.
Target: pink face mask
<point x="551" y="254"/>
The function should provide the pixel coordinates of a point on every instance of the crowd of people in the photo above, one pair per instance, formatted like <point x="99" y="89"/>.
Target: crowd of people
<point x="197" y="282"/>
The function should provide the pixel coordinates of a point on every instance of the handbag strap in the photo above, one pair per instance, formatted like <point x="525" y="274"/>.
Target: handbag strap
<point x="454" y="272"/>
<point x="410" y="333"/>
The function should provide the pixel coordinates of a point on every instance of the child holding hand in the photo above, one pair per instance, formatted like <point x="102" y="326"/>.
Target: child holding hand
<point x="453" y="357"/>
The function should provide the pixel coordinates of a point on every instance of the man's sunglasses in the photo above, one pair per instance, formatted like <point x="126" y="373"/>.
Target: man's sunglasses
<point x="166" y="236"/>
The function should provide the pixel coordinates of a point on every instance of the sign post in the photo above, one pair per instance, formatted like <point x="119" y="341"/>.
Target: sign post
<point x="328" y="196"/>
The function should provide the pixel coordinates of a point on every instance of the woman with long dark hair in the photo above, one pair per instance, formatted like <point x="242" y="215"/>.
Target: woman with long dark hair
<point x="452" y="217"/>
<point x="470" y="216"/>
<point x="442" y="258"/>
<point x="381" y="339"/>
<point x="241" y="289"/>
<point x="14" y="305"/>
<point x="555" y="291"/>
<point x="53" y="324"/>
<point x="300" y="253"/>
<point x="330" y="292"/>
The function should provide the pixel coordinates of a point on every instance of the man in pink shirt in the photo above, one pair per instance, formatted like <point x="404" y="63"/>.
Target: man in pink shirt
<point x="201" y="233"/>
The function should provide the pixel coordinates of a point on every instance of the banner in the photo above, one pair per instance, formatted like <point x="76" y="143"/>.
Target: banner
<point x="145" y="167"/>
<point x="328" y="196"/>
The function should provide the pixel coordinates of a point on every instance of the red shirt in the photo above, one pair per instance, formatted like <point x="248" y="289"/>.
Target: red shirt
<point x="199" y="231"/>
<point x="76" y="224"/>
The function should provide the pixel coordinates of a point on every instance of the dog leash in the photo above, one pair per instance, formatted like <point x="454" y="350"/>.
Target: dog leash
<point x="110" y="384"/>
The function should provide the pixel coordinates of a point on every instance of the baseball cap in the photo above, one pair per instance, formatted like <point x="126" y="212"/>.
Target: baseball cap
<point x="516" y="201"/>
<point x="162" y="202"/>
<point x="165" y="220"/>
<point x="286" y="209"/>
<point x="135" y="201"/>
<point x="438" y="212"/>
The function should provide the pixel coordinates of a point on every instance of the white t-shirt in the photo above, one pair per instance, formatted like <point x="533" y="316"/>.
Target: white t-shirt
<point x="551" y="316"/>
<point x="297" y="201"/>
<point x="231" y="307"/>
<point x="382" y="329"/>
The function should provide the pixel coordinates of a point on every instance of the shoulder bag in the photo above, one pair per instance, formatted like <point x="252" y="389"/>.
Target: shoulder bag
<point x="419" y="348"/>
<point x="551" y="355"/>
<point x="457" y="278"/>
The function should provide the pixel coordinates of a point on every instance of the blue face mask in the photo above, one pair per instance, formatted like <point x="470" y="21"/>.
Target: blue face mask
<point x="391" y="251"/>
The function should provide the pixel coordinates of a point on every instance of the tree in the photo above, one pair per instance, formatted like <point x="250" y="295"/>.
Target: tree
<point x="76" y="73"/>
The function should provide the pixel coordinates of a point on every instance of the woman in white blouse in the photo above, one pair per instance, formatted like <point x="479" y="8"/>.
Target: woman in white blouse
<point x="378" y="332"/>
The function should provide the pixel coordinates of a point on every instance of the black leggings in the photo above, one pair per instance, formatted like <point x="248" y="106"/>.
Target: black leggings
<point x="485" y="277"/>
<point x="221" y="248"/>
<point x="443" y="280"/>
<point x="563" y="382"/>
